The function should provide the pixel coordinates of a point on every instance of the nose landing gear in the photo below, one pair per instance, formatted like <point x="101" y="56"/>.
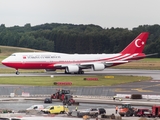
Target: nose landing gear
<point x="17" y="72"/>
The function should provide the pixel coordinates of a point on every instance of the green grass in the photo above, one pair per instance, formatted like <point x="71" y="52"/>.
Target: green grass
<point x="76" y="80"/>
<point x="151" y="59"/>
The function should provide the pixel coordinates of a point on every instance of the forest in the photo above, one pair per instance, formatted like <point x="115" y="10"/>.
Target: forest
<point x="70" y="38"/>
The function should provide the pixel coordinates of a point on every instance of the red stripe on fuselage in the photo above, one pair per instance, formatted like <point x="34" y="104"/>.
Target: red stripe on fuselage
<point x="50" y="65"/>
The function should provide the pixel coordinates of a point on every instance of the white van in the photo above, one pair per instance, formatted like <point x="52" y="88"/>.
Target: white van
<point x="36" y="107"/>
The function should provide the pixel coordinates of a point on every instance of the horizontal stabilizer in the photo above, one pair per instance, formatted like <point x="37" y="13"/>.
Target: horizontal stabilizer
<point x="139" y="57"/>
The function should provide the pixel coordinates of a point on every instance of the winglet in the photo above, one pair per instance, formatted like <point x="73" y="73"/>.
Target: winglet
<point x="137" y="45"/>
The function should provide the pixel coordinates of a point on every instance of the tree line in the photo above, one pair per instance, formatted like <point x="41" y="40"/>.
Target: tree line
<point x="69" y="38"/>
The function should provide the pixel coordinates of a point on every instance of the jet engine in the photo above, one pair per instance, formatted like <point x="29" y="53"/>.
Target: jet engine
<point x="72" y="68"/>
<point x="98" y="67"/>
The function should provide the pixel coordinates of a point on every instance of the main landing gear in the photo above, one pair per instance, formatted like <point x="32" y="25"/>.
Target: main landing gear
<point x="79" y="72"/>
<point x="17" y="72"/>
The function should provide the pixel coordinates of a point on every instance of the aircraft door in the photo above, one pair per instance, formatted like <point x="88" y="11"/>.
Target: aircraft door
<point x="23" y="59"/>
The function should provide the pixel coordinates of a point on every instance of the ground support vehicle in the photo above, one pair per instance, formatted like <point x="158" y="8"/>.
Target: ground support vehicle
<point x="68" y="100"/>
<point x="142" y="112"/>
<point x="126" y="110"/>
<point x="60" y="94"/>
<point x="154" y="112"/>
<point x="55" y="109"/>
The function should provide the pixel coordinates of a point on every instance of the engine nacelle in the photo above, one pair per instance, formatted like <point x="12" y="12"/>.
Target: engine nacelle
<point x="72" y="68"/>
<point x="98" y="67"/>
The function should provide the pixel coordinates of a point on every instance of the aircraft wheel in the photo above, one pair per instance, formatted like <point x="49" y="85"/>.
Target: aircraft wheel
<point x="65" y="72"/>
<point x="17" y="72"/>
<point x="82" y="72"/>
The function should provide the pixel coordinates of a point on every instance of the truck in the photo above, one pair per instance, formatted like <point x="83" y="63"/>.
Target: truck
<point x="126" y="110"/>
<point x="60" y="94"/>
<point x="154" y="112"/>
<point x="142" y="112"/>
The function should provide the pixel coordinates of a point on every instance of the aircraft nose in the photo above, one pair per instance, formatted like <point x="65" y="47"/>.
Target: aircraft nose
<point x="4" y="61"/>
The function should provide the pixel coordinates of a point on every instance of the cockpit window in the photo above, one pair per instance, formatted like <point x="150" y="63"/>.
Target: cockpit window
<point x="13" y="55"/>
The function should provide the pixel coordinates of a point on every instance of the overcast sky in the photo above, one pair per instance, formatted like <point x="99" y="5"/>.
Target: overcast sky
<point x="105" y="13"/>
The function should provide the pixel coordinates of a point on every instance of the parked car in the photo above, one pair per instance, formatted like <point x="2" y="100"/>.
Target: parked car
<point x="101" y="111"/>
<point x="47" y="100"/>
<point x="93" y="112"/>
<point x="36" y="107"/>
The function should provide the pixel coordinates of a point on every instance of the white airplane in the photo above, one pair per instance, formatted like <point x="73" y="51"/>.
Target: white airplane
<point x="75" y="63"/>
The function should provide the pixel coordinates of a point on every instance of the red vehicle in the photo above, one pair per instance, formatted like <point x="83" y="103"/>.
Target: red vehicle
<point x="68" y="100"/>
<point x="60" y="94"/>
<point x="126" y="110"/>
<point x="142" y="112"/>
<point x="155" y="112"/>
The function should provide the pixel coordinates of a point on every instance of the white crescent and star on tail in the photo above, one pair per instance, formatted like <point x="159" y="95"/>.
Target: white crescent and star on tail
<point x="136" y="43"/>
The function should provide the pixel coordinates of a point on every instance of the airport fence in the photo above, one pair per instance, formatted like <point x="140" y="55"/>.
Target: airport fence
<point x="39" y="91"/>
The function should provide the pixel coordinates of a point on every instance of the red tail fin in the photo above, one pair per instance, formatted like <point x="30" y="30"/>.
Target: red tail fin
<point x="137" y="45"/>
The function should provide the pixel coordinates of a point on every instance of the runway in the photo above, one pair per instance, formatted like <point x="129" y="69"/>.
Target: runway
<point x="155" y="74"/>
<point x="141" y="87"/>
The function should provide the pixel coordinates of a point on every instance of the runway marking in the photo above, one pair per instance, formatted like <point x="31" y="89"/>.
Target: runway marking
<point x="141" y="90"/>
<point x="137" y="89"/>
<point x="121" y="90"/>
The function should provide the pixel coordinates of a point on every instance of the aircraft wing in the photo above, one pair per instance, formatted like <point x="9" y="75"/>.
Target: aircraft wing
<point x="107" y="63"/>
<point x="88" y="64"/>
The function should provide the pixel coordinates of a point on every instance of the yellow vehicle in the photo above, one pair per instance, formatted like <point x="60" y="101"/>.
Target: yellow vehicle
<point x="55" y="109"/>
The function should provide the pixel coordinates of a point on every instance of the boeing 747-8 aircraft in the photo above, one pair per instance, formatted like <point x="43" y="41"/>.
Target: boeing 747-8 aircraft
<point x="75" y="63"/>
